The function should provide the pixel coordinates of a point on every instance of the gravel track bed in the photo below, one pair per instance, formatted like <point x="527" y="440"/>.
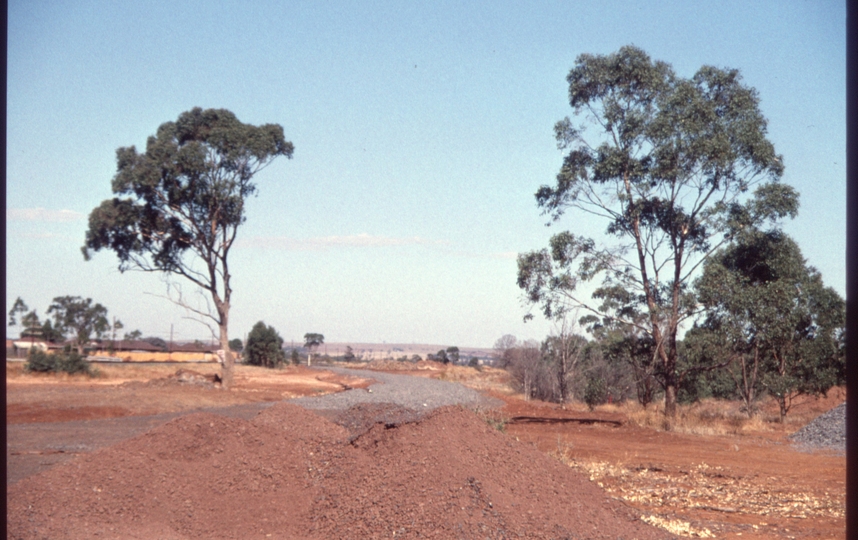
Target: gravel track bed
<point x="827" y="431"/>
<point x="419" y="394"/>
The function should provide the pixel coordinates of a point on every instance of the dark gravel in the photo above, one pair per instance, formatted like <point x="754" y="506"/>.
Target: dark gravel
<point x="826" y="431"/>
<point x="418" y="394"/>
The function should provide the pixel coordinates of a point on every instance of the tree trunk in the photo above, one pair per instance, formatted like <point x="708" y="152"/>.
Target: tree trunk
<point x="670" y="400"/>
<point x="228" y="368"/>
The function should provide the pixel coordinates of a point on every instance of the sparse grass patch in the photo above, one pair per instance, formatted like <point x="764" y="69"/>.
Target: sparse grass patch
<point x="483" y="379"/>
<point x="494" y="418"/>
<point x="706" y="417"/>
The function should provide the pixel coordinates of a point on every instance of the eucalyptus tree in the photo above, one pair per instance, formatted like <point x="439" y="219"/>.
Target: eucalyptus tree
<point x="19" y="308"/>
<point x="178" y="206"/>
<point x="311" y="342"/>
<point x="673" y="166"/>
<point x="80" y="318"/>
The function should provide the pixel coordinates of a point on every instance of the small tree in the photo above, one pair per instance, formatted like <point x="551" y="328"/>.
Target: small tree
<point x="18" y="308"/>
<point x="349" y="355"/>
<point x="453" y="354"/>
<point x="264" y="346"/>
<point x="774" y="319"/>
<point x="441" y="356"/>
<point x="563" y="352"/>
<point x="528" y="369"/>
<point x="49" y="333"/>
<point x="596" y="392"/>
<point x="114" y="326"/>
<point x="503" y="346"/>
<point x="179" y="205"/>
<point x="33" y="328"/>
<point x="235" y="345"/>
<point x="80" y="318"/>
<point x="133" y="335"/>
<point x="311" y="341"/>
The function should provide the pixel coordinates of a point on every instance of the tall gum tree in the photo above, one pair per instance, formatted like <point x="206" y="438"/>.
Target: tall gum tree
<point x="178" y="206"/>
<point x="669" y="164"/>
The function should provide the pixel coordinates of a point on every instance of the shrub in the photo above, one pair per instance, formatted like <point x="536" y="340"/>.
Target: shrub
<point x="264" y="346"/>
<point x="596" y="392"/>
<point x="72" y="362"/>
<point x="40" y="361"/>
<point x="68" y="361"/>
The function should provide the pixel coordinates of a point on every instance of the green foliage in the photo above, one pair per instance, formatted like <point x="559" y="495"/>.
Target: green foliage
<point x="772" y="317"/>
<point x="80" y="318"/>
<point x="349" y="355"/>
<point x="72" y="362"/>
<point x="495" y="419"/>
<point x="18" y="308"/>
<point x="702" y="354"/>
<point x="264" y="346"/>
<point x="177" y="207"/>
<point x="68" y="361"/>
<point x="133" y="336"/>
<point x="669" y="163"/>
<point x="621" y="346"/>
<point x="295" y="357"/>
<point x="596" y="392"/>
<point x="49" y="333"/>
<point x="312" y="340"/>
<point x="440" y="356"/>
<point x="40" y="361"/>
<point x="452" y="355"/>
<point x="236" y="345"/>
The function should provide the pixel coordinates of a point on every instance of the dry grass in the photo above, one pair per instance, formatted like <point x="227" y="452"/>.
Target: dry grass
<point x="482" y="379"/>
<point x="706" y="417"/>
<point x="719" y="417"/>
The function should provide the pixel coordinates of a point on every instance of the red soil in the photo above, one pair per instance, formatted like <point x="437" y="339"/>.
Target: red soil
<point x="290" y="473"/>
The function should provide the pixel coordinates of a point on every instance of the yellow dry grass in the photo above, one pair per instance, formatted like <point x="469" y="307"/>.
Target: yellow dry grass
<point x="709" y="417"/>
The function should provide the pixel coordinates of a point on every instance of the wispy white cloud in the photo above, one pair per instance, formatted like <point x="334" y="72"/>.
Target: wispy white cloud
<point x="42" y="215"/>
<point x="362" y="240"/>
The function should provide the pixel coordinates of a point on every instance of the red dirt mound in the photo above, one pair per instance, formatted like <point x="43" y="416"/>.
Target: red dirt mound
<point x="290" y="473"/>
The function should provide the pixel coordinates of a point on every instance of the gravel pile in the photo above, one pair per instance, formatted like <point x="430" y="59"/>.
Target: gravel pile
<point x="828" y="430"/>
<point x="419" y="394"/>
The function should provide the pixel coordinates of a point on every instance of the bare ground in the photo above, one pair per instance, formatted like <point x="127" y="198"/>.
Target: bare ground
<point x="745" y="484"/>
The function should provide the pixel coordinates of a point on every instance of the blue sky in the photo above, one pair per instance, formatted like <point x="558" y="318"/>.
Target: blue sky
<point x="421" y="133"/>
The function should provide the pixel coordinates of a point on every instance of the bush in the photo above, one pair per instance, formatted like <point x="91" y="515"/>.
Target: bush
<point x="71" y="362"/>
<point x="596" y="392"/>
<point x="40" y="361"/>
<point x="68" y="361"/>
<point x="264" y="346"/>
